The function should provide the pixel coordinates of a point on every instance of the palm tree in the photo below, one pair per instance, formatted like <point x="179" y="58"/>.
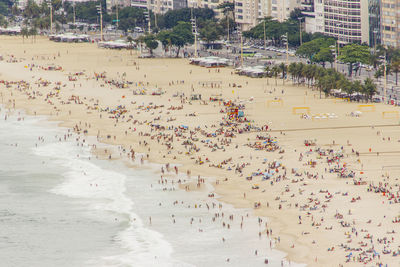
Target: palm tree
<point x="369" y="88"/>
<point x="24" y="33"/>
<point x="33" y="33"/>
<point x="299" y="72"/>
<point x="345" y="85"/>
<point x="229" y="11"/>
<point x="267" y="70"/>
<point x="309" y="73"/>
<point x="283" y="68"/>
<point x="395" y="67"/>
<point x="275" y="72"/>
<point x="292" y="70"/>
<point x="130" y="41"/>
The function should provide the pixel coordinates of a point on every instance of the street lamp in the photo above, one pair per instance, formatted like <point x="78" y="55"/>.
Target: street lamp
<point x="333" y="50"/>
<point x="383" y="58"/>
<point x="241" y="46"/>
<point x="49" y="4"/>
<point x="100" y="11"/>
<point x="147" y="17"/>
<point x="285" y="40"/>
<point x="301" y="40"/>
<point x="375" y="32"/>
<point x="337" y="27"/>
<point x="194" y="30"/>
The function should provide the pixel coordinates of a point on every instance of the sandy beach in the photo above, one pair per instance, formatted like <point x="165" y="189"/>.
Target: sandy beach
<point x="327" y="181"/>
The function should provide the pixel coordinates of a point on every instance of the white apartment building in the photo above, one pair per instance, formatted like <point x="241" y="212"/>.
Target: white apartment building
<point x="250" y="12"/>
<point x="390" y="22"/>
<point x="139" y="4"/>
<point x="247" y="13"/>
<point x="346" y="20"/>
<point x="280" y="9"/>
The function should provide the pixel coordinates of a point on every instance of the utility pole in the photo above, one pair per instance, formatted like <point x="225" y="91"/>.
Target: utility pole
<point x="286" y="40"/>
<point x="385" y="82"/>
<point x="333" y="50"/>
<point x="147" y="16"/>
<point x="265" y="37"/>
<point x="117" y="7"/>
<point x="100" y="11"/>
<point x="301" y="37"/>
<point x="227" y="22"/>
<point x="337" y="56"/>
<point x="194" y="31"/>
<point x="73" y="7"/>
<point x="49" y="4"/>
<point x="241" y="48"/>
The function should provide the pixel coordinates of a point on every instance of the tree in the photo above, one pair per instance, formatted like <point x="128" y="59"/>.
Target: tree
<point x="24" y="33"/>
<point x="165" y="38"/>
<point x="211" y="31"/>
<point x="374" y="60"/>
<point x="181" y="35"/>
<point x="275" y="72"/>
<point x="31" y="10"/>
<point x="369" y="88"/>
<point x="395" y="68"/>
<point x="33" y="33"/>
<point x="172" y="17"/>
<point x="131" y="17"/>
<point x="130" y="41"/>
<point x="310" y="49"/>
<point x="324" y="55"/>
<point x="229" y="11"/>
<point x="292" y="70"/>
<point x="296" y="14"/>
<point x="3" y="21"/>
<point x="282" y="69"/>
<point x="3" y="9"/>
<point x="151" y="42"/>
<point x="354" y="53"/>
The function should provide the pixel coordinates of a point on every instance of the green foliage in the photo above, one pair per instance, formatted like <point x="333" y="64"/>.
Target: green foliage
<point x="3" y="21"/>
<point x="312" y="48"/>
<point x="327" y="79"/>
<point x="226" y="7"/>
<point x="172" y="17"/>
<point x="42" y="23"/>
<point x="275" y="29"/>
<point x="395" y="68"/>
<point x="354" y="53"/>
<point x="3" y="9"/>
<point x="165" y="38"/>
<point x="181" y="35"/>
<point x="150" y="41"/>
<point x="296" y="14"/>
<point x="86" y="11"/>
<point x="324" y="55"/>
<point x="211" y="31"/>
<point x="32" y="10"/>
<point x="369" y="88"/>
<point x="131" y="17"/>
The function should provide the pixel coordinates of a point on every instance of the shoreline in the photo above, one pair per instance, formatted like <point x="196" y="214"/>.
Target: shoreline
<point x="147" y="166"/>
<point x="234" y="191"/>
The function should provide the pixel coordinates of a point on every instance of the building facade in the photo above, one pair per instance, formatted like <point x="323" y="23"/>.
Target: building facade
<point x="247" y="13"/>
<point x="280" y="9"/>
<point x="374" y="9"/>
<point x="346" y="20"/>
<point x="390" y="31"/>
<point x="250" y="12"/>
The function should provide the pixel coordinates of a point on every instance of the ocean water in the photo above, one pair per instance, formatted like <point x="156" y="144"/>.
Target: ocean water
<point x="59" y="206"/>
